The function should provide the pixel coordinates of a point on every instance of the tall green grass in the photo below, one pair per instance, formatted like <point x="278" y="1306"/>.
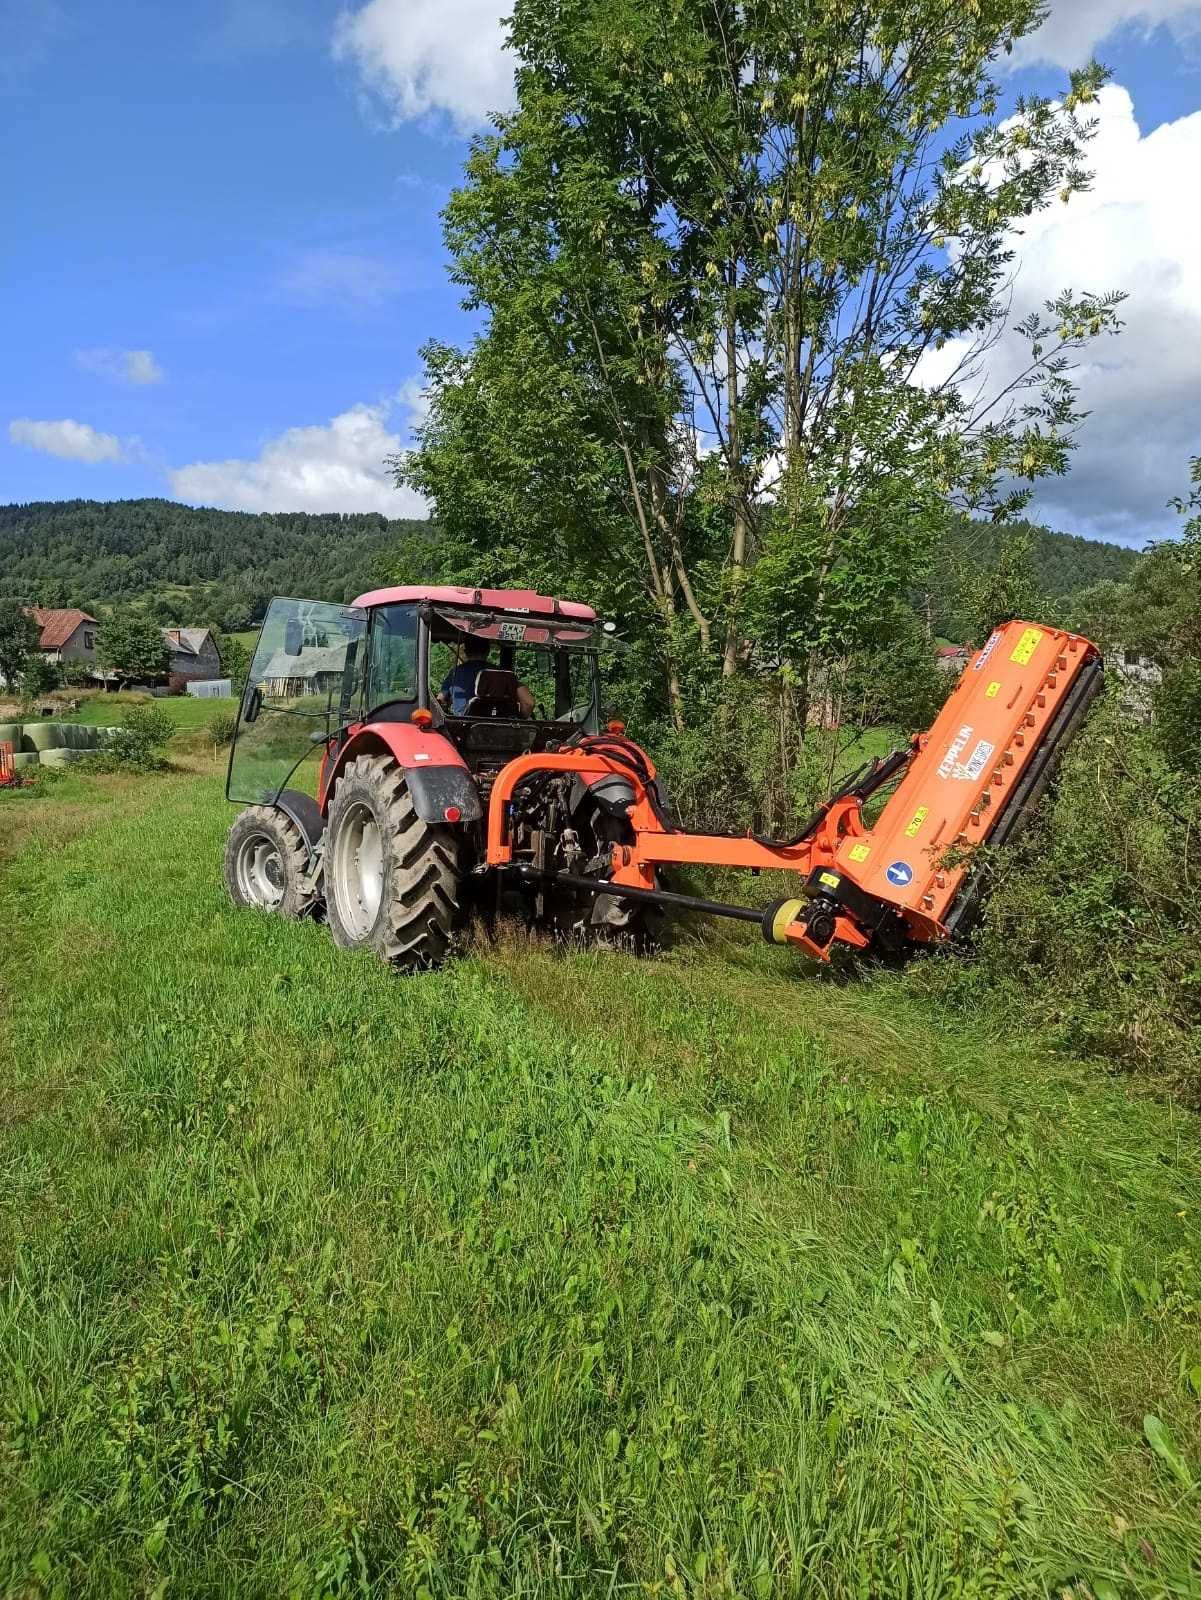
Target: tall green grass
<point x="555" y="1273"/>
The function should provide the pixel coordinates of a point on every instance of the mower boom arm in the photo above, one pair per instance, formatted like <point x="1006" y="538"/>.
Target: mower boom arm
<point x="906" y="880"/>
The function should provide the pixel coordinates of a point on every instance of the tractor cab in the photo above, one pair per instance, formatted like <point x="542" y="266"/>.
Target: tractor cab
<point x="323" y="676"/>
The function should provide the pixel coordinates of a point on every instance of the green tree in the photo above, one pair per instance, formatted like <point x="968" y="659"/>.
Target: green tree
<point x="132" y="644"/>
<point x="19" y="635"/>
<point x="235" y="659"/>
<point x="717" y="247"/>
<point x="39" y="676"/>
<point x="1004" y="590"/>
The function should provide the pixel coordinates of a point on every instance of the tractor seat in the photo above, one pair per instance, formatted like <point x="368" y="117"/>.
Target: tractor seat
<point x="495" y="694"/>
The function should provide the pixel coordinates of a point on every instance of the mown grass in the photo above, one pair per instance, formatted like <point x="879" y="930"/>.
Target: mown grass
<point x="556" y="1273"/>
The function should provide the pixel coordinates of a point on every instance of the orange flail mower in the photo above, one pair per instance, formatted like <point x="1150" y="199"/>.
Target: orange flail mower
<point x="448" y="780"/>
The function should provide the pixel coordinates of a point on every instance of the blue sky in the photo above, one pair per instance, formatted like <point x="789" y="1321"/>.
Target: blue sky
<point x="226" y="252"/>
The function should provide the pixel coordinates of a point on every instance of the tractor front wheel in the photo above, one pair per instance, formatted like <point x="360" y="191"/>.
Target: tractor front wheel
<point x="267" y="862"/>
<point x="391" y="880"/>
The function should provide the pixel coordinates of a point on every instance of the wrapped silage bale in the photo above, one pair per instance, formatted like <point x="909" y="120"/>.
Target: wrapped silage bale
<point x="10" y="733"/>
<point x="58" y="758"/>
<point x="25" y="758"/>
<point x="42" y="736"/>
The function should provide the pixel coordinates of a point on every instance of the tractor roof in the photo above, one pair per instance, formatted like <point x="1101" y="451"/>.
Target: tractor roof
<point x="524" y="601"/>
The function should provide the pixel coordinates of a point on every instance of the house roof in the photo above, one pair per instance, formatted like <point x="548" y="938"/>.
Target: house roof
<point x="952" y="650"/>
<point x="57" y="625"/>
<point x="186" y="641"/>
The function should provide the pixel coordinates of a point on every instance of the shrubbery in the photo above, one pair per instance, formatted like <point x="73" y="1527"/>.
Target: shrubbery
<point x="139" y="741"/>
<point x="1092" y="929"/>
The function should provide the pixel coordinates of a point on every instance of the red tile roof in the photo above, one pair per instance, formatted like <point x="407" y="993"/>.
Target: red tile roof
<point x="952" y="650"/>
<point x="57" y="626"/>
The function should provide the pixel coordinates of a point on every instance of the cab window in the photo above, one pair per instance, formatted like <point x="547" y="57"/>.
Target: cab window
<point x="392" y="672"/>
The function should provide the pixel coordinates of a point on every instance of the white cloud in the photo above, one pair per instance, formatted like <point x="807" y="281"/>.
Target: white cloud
<point x="422" y="56"/>
<point x="72" y="441"/>
<point x="1075" y="28"/>
<point x="335" y="467"/>
<point x="1135" y="230"/>
<point x="342" y="279"/>
<point x="126" y="366"/>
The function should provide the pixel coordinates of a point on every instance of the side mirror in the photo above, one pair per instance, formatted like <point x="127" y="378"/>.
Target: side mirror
<point x="293" y="636"/>
<point x="252" y="702"/>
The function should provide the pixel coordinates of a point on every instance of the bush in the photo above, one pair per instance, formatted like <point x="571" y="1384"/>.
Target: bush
<point x="1178" y="717"/>
<point x="139" y="740"/>
<point x="1092" y="928"/>
<point x="223" y="727"/>
<point x="39" y="677"/>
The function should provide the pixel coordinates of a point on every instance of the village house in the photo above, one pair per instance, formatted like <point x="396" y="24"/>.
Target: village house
<point x="68" y="634"/>
<point x="951" y="658"/>
<point x="1139" y="677"/>
<point x="194" y="653"/>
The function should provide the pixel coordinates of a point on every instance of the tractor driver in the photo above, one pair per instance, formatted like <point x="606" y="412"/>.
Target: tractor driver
<point x="458" y="687"/>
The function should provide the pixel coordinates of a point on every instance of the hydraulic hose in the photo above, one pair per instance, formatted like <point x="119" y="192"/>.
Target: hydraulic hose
<point x="862" y="783"/>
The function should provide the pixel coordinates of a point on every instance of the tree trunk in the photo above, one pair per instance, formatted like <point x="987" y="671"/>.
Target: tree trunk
<point x="738" y="551"/>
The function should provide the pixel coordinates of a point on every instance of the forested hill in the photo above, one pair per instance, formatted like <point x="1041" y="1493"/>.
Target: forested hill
<point x="204" y="565"/>
<point x="194" y="566"/>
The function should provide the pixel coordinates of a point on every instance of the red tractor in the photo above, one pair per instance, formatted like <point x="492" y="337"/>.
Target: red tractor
<point x="462" y="755"/>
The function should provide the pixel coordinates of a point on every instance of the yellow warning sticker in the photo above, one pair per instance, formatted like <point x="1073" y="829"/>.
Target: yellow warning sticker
<point x="992" y="691"/>
<point x="1026" y="646"/>
<point x="860" y="852"/>
<point x="919" y="816"/>
<point x="830" y="880"/>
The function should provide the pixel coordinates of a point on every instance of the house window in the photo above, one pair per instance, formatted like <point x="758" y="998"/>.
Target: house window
<point x="89" y="641"/>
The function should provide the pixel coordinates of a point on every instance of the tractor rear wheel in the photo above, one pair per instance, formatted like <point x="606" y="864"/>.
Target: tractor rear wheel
<point x="267" y="862"/>
<point x="391" y="880"/>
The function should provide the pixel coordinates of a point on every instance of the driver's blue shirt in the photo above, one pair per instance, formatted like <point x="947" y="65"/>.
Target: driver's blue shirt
<point x="459" y="684"/>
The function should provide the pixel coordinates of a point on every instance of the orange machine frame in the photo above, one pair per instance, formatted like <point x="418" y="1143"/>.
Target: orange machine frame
<point x="912" y="862"/>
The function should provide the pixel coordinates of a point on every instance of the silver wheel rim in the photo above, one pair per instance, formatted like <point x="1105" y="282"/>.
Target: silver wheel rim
<point x="358" y="870"/>
<point x="260" y="870"/>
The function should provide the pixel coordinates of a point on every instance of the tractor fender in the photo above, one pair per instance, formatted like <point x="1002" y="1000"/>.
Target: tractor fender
<point x="304" y="811"/>
<point x="435" y="772"/>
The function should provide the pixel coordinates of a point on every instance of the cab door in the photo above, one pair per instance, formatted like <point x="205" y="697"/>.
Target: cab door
<point x="298" y="692"/>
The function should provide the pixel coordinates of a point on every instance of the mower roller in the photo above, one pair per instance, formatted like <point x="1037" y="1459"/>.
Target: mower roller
<point x="507" y="784"/>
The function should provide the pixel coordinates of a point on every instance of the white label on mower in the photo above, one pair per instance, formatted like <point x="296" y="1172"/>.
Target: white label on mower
<point x="965" y="771"/>
<point x="976" y="762"/>
<point x="993" y="640"/>
<point x="954" y="750"/>
<point x="514" y="632"/>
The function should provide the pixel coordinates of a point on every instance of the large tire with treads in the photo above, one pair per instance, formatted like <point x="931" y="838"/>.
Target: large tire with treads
<point x="391" y="880"/>
<point x="267" y="864"/>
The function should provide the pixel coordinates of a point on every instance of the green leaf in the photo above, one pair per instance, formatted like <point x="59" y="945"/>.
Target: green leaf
<point x="1162" y="1443"/>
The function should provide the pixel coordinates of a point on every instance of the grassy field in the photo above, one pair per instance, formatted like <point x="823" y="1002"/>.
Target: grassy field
<point x="185" y="710"/>
<point x="556" y="1274"/>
